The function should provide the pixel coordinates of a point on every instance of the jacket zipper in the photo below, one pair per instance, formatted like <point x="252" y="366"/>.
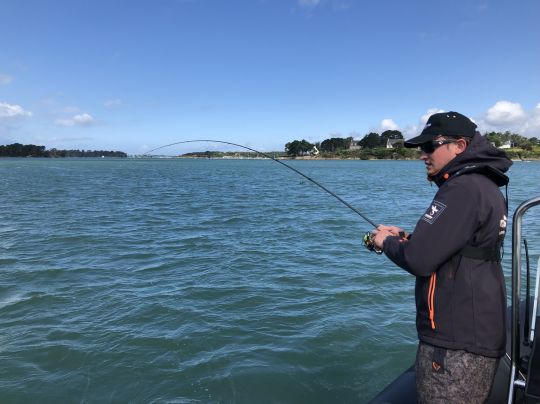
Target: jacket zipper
<point x="431" y="299"/>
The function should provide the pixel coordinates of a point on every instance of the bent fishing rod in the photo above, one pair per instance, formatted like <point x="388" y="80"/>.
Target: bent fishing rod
<point x="368" y="237"/>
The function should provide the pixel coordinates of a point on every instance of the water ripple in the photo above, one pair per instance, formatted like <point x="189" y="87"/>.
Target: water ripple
<point x="196" y="281"/>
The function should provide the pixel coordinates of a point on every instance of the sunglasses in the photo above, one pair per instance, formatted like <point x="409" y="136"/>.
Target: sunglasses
<point x="430" y="147"/>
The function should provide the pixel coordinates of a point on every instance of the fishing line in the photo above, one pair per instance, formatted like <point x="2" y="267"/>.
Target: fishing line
<point x="277" y="161"/>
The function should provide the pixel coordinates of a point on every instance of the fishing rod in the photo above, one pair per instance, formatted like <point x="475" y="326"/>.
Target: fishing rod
<point x="368" y="237"/>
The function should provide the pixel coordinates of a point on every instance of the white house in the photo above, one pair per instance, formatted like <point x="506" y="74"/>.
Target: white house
<point x="390" y="143"/>
<point x="354" y="144"/>
<point x="506" y="145"/>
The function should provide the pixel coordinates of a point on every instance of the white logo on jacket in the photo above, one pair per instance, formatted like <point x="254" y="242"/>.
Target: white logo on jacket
<point x="433" y="212"/>
<point x="502" y="225"/>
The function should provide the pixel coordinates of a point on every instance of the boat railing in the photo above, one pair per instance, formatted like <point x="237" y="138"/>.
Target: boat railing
<point x="516" y="379"/>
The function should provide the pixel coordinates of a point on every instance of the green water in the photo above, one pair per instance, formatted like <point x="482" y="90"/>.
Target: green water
<point x="202" y="281"/>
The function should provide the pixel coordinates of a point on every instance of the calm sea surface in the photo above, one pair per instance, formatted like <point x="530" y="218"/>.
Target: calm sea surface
<point x="207" y="281"/>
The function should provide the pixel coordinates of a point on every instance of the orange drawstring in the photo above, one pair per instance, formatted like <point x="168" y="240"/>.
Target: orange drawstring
<point x="431" y="298"/>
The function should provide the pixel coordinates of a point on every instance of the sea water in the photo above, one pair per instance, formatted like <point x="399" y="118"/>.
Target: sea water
<point x="208" y="281"/>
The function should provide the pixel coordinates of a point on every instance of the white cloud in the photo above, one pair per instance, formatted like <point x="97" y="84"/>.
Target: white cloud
<point x="505" y="112"/>
<point x="12" y="111"/>
<point x="5" y="79"/>
<point x="388" y="124"/>
<point x="511" y="116"/>
<point x="501" y="117"/>
<point x="77" y="120"/>
<point x="112" y="103"/>
<point x="83" y="119"/>
<point x="531" y="126"/>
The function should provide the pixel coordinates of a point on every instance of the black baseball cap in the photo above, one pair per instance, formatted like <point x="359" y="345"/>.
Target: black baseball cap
<point x="444" y="124"/>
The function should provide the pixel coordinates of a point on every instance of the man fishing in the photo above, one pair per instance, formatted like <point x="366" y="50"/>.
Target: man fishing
<point x="454" y="253"/>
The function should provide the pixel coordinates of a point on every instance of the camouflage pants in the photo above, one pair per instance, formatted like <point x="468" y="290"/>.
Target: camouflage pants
<point x="452" y="376"/>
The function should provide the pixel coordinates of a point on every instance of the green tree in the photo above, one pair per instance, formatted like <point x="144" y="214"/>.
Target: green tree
<point x="495" y="138"/>
<point x="520" y="141"/>
<point x="390" y="134"/>
<point x="370" y="141"/>
<point x="298" y="148"/>
<point x="20" y="150"/>
<point x="335" y="144"/>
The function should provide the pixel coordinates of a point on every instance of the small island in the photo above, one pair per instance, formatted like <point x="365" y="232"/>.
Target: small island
<point x="30" y="150"/>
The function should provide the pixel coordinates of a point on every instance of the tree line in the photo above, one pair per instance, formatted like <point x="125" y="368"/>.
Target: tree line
<point x="235" y="154"/>
<point x="374" y="145"/>
<point x="334" y="145"/>
<point x="30" y="150"/>
<point x="513" y="140"/>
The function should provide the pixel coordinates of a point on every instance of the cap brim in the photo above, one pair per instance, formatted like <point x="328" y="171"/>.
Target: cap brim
<point x="418" y="140"/>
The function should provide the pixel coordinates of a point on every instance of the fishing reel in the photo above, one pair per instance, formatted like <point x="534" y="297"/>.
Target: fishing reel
<point x="369" y="242"/>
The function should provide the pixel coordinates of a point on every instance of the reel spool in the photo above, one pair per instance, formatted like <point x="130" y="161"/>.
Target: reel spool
<point x="369" y="242"/>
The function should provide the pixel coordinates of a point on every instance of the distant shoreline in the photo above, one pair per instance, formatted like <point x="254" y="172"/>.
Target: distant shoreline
<point x="295" y="158"/>
<point x="138" y="157"/>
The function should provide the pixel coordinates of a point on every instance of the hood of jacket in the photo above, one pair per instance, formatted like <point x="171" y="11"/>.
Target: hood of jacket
<point x="480" y="156"/>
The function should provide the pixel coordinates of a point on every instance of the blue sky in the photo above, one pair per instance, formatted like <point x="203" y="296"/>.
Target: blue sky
<point x="134" y="75"/>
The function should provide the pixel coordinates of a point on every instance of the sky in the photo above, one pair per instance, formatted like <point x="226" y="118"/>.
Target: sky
<point x="133" y="75"/>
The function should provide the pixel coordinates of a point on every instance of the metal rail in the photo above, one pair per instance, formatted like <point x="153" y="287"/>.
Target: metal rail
<point x="516" y="292"/>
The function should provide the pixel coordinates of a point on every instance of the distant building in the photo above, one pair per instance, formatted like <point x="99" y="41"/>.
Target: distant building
<point x="354" y="144"/>
<point x="506" y="145"/>
<point x="391" y="143"/>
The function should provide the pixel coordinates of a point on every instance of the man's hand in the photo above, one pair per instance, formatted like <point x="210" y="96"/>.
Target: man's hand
<point x="382" y="231"/>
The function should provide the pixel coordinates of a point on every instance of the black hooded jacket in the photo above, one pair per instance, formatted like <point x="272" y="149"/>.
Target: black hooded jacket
<point x="460" y="289"/>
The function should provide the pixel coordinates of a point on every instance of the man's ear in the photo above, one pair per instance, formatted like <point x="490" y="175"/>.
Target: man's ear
<point x="461" y="145"/>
